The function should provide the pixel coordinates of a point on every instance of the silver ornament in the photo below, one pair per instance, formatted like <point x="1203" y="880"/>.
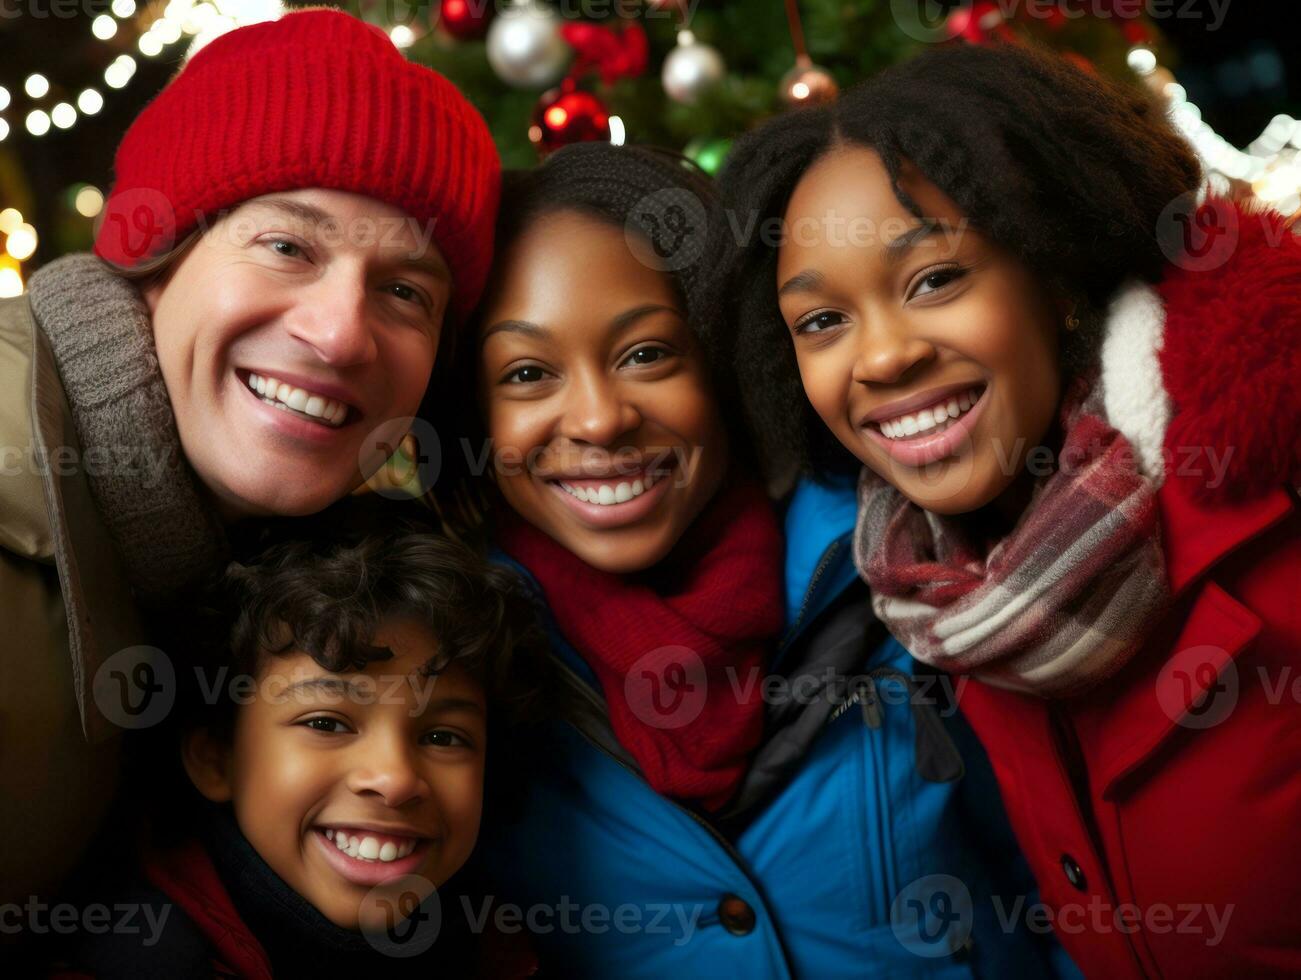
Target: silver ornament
<point x="525" y="47"/>
<point x="690" y="69"/>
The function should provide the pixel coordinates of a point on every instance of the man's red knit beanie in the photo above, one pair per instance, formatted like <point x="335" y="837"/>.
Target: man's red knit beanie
<point x="315" y="99"/>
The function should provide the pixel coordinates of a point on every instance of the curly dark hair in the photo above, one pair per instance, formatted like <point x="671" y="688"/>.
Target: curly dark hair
<point x="658" y="193"/>
<point x="1068" y="172"/>
<point x="328" y="595"/>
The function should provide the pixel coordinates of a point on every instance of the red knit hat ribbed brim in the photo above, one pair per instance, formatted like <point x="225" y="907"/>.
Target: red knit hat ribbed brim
<point x="315" y="99"/>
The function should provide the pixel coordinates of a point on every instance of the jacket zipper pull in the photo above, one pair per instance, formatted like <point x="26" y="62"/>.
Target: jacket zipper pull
<point x="868" y="703"/>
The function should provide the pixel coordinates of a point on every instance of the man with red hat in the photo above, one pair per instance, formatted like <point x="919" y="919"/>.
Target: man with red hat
<point x="293" y="219"/>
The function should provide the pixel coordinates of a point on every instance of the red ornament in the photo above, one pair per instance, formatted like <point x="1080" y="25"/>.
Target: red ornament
<point x="1136" y="32"/>
<point x="464" y="19"/>
<point x="567" y="115"/>
<point x="978" y="24"/>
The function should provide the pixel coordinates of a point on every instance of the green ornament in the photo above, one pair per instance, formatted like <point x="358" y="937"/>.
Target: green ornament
<point x="708" y="152"/>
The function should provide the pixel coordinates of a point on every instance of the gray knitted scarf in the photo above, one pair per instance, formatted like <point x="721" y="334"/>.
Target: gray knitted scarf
<point x="148" y="497"/>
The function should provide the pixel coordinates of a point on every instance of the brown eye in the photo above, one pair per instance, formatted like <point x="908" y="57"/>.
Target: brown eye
<point x="819" y="322"/>
<point x="525" y="375"/>
<point x="937" y="280"/>
<point x="646" y="355"/>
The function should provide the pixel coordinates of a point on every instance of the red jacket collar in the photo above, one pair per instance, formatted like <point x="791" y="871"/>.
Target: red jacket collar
<point x="189" y="878"/>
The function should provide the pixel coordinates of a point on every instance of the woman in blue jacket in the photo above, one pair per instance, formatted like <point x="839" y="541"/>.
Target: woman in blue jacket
<point x="751" y="778"/>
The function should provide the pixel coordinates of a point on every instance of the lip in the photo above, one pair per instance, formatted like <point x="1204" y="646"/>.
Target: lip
<point x="931" y="396"/>
<point x="925" y="448"/>
<point x="606" y="517"/>
<point x="293" y="426"/>
<point x="370" y="873"/>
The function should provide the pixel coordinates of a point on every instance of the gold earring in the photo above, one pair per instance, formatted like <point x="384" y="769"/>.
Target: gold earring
<point x="1072" y="321"/>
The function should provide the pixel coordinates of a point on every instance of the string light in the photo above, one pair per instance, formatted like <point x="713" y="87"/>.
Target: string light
<point x="90" y="102"/>
<point x="21" y="242"/>
<point x="89" y="201"/>
<point x="103" y="27"/>
<point x="63" y="115"/>
<point x="201" y="20"/>
<point x="38" y="122"/>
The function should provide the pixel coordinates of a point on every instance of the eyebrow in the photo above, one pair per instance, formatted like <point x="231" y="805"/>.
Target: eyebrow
<point x="309" y="213"/>
<point x="620" y="322"/>
<point x="456" y="704"/>
<point x="429" y="261"/>
<point x="808" y="281"/>
<point x="333" y="684"/>
<point x="898" y="247"/>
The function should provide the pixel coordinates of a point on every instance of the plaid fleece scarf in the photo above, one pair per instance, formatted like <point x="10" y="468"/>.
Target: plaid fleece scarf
<point x="1058" y="605"/>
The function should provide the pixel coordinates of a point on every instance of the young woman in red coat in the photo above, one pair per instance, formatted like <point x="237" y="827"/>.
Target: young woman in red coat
<point x="1073" y="395"/>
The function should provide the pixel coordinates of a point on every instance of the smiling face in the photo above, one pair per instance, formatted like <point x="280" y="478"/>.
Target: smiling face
<point x="596" y="395"/>
<point x="348" y="783"/>
<point x="929" y="351"/>
<point x="297" y="335"/>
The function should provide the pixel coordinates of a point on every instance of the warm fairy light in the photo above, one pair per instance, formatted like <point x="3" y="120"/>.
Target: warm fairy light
<point x="402" y="36"/>
<point x="36" y="86"/>
<point x="618" y="133"/>
<point x="63" y="115"/>
<point x="10" y="218"/>
<point x="103" y="27"/>
<point x="90" y="102"/>
<point x="11" y="282"/>
<point x="89" y="201"/>
<point x="38" y="122"/>
<point x="21" y="242"/>
<point x="4" y="130"/>
<point x="4" y="97"/>
<point x="150" y="45"/>
<point x="123" y="8"/>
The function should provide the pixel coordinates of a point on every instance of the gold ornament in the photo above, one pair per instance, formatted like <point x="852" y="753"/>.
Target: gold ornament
<point x="806" y="84"/>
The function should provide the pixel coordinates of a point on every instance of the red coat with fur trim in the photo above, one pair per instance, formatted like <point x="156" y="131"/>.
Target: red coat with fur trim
<point x="1161" y="811"/>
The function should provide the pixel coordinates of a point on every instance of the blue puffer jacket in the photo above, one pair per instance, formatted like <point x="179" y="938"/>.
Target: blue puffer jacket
<point x="867" y="839"/>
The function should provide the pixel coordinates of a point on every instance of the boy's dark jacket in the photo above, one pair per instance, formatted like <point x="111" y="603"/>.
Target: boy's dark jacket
<point x="201" y="933"/>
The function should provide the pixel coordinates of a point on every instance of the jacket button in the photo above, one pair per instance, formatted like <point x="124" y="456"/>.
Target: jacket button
<point x="1073" y="873"/>
<point x="736" y="915"/>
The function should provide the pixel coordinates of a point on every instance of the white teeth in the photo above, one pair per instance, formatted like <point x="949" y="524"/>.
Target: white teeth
<point x="281" y="395"/>
<point x="928" y="418"/>
<point x="369" y="848"/>
<point x="607" y="494"/>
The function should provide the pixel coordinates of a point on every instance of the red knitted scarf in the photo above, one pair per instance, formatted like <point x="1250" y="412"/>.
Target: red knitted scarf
<point x="678" y="649"/>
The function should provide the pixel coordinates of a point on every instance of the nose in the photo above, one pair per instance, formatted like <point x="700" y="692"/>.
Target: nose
<point x="387" y="769"/>
<point x="597" y="410"/>
<point x="331" y="317"/>
<point x="888" y="351"/>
